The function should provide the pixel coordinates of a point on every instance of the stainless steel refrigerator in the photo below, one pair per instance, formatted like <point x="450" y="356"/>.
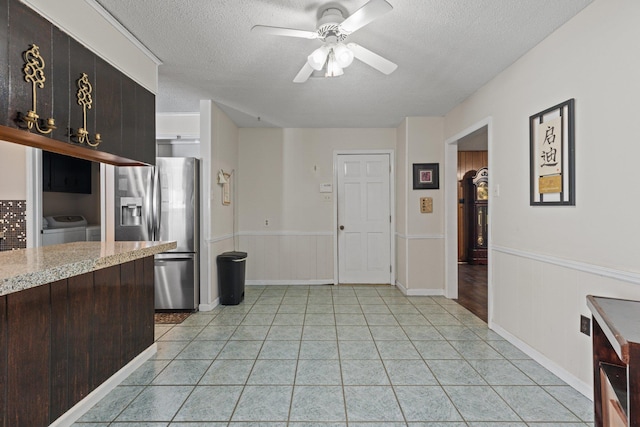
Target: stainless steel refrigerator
<point x="162" y="204"/>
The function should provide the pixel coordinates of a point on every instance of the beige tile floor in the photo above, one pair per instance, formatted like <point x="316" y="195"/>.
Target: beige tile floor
<point x="325" y="356"/>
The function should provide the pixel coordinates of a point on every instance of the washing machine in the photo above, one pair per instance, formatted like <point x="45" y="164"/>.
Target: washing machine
<point x="63" y="229"/>
<point x="94" y="233"/>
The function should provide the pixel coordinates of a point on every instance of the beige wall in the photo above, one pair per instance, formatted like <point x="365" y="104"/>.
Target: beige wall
<point x="173" y="125"/>
<point x="545" y="260"/>
<point x="281" y="172"/>
<point x="402" y="182"/>
<point x="13" y="179"/>
<point x="420" y="239"/>
<point x="219" y="150"/>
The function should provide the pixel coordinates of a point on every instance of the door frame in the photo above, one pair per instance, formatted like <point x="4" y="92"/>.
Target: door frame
<point x="451" y="213"/>
<point x="392" y="208"/>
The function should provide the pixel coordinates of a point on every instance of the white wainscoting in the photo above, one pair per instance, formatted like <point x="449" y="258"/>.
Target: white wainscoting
<point x="288" y="257"/>
<point x="420" y="264"/>
<point x="538" y="300"/>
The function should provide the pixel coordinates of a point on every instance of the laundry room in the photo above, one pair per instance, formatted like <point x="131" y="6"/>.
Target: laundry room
<point x="70" y="199"/>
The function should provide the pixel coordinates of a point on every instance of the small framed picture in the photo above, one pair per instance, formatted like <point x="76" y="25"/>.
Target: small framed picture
<point x="552" y="156"/>
<point x="426" y="176"/>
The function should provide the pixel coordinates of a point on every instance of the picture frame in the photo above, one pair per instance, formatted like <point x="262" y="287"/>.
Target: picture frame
<point x="426" y="176"/>
<point x="552" y="156"/>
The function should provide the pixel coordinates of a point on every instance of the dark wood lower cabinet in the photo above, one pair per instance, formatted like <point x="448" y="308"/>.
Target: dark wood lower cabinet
<point x="60" y="341"/>
<point x="107" y="327"/>
<point x="3" y="360"/>
<point x="80" y="317"/>
<point x="59" y="349"/>
<point x="29" y="328"/>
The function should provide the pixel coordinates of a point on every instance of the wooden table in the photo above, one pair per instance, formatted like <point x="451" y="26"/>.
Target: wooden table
<point x="616" y="361"/>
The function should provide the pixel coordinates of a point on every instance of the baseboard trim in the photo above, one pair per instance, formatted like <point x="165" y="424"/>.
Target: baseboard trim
<point x="288" y="282"/>
<point x="419" y="292"/>
<point x="80" y="408"/>
<point x="547" y="363"/>
<point x="210" y="306"/>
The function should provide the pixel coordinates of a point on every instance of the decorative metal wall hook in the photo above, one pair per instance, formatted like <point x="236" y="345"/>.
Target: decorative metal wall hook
<point x="34" y="73"/>
<point x="84" y="99"/>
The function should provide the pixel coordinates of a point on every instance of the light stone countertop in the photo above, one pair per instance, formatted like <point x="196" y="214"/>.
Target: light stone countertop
<point x="26" y="268"/>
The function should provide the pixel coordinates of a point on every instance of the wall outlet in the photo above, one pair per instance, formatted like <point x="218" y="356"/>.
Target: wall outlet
<point x="326" y="197"/>
<point x="266" y="222"/>
<point x="585" y="325"/>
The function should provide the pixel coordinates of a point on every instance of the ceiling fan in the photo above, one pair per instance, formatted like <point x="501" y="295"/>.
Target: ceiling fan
<point x="332" y="29"/>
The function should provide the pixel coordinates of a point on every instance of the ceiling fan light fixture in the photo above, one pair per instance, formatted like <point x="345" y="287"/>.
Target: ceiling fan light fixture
<point x="333" y="68"/>
<point x="318" y="58"/>
<point x="343" y="55"/>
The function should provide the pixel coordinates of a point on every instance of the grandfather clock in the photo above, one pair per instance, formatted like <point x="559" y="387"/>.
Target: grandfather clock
<point x="477" y="209"/>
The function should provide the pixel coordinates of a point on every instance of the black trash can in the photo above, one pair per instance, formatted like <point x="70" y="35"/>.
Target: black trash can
<point x="231" y="271"/>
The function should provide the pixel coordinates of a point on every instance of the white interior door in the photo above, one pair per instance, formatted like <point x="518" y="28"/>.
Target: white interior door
<point x="364" y="218"/>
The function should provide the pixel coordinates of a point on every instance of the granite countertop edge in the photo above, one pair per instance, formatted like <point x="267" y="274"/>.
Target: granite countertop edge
<point x="27" y="268"/>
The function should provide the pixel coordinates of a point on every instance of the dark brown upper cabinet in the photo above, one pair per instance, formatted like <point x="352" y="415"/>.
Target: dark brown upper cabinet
<point x="121" y="111"/>
<point x="4" y="62"/>
<point x="26" y="29"/>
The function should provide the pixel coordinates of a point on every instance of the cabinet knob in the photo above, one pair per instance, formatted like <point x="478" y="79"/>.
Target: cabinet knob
<point x="342" y="227"/>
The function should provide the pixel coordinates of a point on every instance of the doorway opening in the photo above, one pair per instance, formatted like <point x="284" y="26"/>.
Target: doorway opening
<point x="473" y="206"/>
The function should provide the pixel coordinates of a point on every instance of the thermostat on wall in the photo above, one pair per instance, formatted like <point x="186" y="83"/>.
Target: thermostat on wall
<point x="326" y="188"/>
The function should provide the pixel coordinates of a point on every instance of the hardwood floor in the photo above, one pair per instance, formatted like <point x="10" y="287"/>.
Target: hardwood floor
<point x="472" y="289"/>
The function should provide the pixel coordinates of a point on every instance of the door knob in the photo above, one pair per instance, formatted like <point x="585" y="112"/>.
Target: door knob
<point x="342" y="227"/>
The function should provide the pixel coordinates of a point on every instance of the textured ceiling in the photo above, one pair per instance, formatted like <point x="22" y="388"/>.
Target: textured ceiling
<point x="445" y="51"/>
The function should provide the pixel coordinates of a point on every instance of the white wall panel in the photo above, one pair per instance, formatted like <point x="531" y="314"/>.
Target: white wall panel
<point x="540" y="303"/>
<point x="288" y="257"/>
<point x="547" y="259"/>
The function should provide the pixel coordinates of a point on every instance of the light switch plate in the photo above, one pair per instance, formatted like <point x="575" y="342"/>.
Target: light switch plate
<point x="326" y="188"/>
<point x="426" y="204"/>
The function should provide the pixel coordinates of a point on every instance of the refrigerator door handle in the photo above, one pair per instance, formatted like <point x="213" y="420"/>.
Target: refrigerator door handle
<point x="149" y="217"/>
<point x="157" y="196"/>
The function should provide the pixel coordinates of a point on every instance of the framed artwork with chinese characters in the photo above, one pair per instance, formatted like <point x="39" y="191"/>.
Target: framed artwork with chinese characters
<point x="552" y="156"/>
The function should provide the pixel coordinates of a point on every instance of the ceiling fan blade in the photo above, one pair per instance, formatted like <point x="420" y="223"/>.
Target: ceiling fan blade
<point x="367" y="13"/>
<point x="303" y="74"/>
<point x="372" y="59"/>
<point x="288" y="32"/>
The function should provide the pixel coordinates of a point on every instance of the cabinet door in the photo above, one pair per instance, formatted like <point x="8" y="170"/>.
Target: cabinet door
<point x="82" y="61"/>
<point x="60" y="79"/>
<point x="108" y="107"/>
<point x="81" y="298"/>
<point x="3" y="360"/>
<point x="66" y="174"/>
<point x="130" y="307"/>
<point x="46" y="171"/>
<point x="59" y="349"/>
<point x="107" y="328"/>
<point x="27" y="28"/>
<point x="28" y="359"/>
<point x="129" y="114"/>
<point x="146" y="124"/>
<point x="4" y="70"/>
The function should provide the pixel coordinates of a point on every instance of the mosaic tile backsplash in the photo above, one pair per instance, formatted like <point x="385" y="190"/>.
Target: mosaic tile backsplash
<point x="13" y="222"/>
